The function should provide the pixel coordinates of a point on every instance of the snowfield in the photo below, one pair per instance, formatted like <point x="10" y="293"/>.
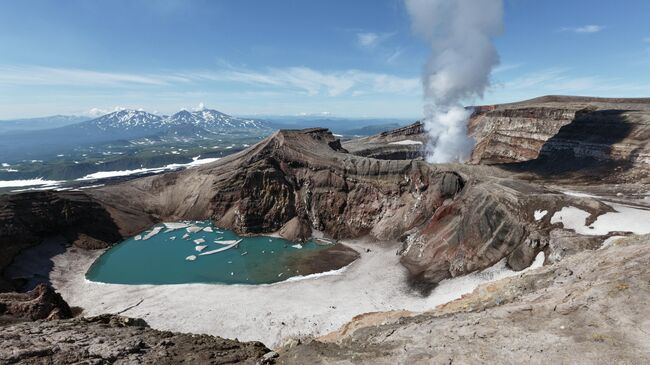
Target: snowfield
<point x="196" y="161"/>
<point x="406" y="142"/>
<point x="625" y="219"/>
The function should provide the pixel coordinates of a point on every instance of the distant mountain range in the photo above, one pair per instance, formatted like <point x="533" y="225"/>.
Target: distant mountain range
<point x="339" y="125"/>
<point x="40" y="138"/>
<point x="31" y="124"/>
<point x="126" y="126"/>
<point x="129" y="124"/>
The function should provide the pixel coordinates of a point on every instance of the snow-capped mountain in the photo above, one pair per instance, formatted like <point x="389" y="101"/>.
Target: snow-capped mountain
<point x="128" y="120"/>
<point x="216" y="122"/>
<point x="133" y="126"/>
<point x="206" y="121"/>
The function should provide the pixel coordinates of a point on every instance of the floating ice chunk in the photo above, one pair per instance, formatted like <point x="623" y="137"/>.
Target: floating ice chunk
<point x="200" y="248"/>
<point x="193" y="229"/>
<point x="220" y="232"/>
<point x="297" y="246"/>
<point x="137" y="238"/>
<point x="207" y="229"/>
<point x="153" y="232"/>
<point x="191" y="258"/>
<point x="176" y="225"/>
<point x="226" y="242"/>
<point x="220" y="249"/>
<point x="172" y="238"/>
<point x="232" y="273"/>
<point x="199" y="241"/>
<point x="539" y="214"/>
<point x="244" y="253"/>
<point x="280" y="274"/>
<point x="186" y="236"/>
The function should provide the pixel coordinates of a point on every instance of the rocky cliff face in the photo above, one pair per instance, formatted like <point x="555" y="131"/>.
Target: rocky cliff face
<point x="40" y="303"/>
<point x="390" y="145"/>
<point x="601" y="129"/>
<point x="551" y="136"/>
<point x="25" y="219"/>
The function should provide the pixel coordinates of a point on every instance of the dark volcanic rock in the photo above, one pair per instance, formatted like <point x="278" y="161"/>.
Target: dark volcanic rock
<point x="296" y="230"/>
<point x="26" y="219"/>
<point x="112" y="339"/>
<point x="41" y="303"/>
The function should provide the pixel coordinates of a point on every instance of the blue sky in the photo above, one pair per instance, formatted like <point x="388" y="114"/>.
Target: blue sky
<point x="291" y="57"/>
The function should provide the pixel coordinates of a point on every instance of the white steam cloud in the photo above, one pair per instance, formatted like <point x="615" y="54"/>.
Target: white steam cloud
<point x="460" y="33"/>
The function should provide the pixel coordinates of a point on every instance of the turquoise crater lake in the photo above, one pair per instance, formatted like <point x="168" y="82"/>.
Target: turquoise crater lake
<point x="197" y="252"/>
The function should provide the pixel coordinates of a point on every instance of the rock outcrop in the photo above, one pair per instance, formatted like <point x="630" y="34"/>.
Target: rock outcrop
<point x="390" y="145"/>
<point x="578" y="127"/>
<point x="587" y="309"/>
<point x="40" y="303"/>
<point x="550" y="136"/>
<point x="111" y="339"/>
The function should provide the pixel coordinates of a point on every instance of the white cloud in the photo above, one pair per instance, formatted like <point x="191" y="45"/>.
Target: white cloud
<point x="506" y="67"/>
<point x="586" y="29"/>
<point x="367" y="40"/>
<point x="39" y="75"/>
<point x="301" y="79"/>
<point x="199" y="107"/>
<point x="317" y="83"/>
<point x="394" y="56"/>
<point x="98" y="112"/>
<point x="370" y="40"/>
<point x="562" y="81"/>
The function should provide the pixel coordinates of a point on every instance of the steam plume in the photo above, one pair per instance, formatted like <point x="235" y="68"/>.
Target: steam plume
<point x="460" y="33"/>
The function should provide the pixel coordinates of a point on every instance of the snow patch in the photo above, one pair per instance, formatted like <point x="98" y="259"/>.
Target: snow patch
<point x="28" y="182"/>
<point x="196" y="161"/>
<point x="406" y="142"/>
<point x="625" y="218"/>
<point x="539" y="214"/>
